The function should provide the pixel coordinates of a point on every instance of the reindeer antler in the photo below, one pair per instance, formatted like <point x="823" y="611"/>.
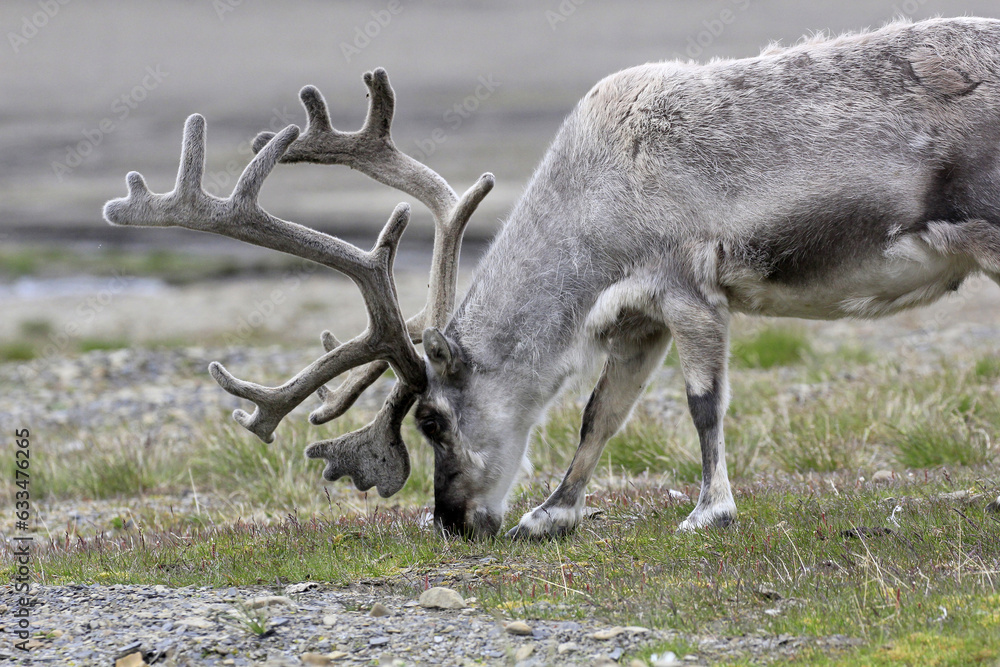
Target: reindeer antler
<point x="376" y="454"/>
<point x="371" y="151"/>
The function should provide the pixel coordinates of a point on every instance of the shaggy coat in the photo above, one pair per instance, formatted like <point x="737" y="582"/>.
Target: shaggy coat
<point x="844" y="177"/>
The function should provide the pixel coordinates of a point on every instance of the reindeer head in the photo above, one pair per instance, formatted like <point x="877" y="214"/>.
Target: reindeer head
<point x="479" y="435"/>
<point x="374" y="455"/>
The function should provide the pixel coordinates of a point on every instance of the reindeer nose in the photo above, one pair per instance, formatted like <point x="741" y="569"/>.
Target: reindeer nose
<point x="450" y="518"/>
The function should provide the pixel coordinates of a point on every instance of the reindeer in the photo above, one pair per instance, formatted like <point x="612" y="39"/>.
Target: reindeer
<point x="844" y="177"/>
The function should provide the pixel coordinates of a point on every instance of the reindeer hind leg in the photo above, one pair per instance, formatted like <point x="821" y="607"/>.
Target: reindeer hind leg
<point x="701" y="333"/>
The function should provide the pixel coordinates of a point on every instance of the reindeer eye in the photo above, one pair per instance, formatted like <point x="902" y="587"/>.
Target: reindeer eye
<point x="431" y="426"/>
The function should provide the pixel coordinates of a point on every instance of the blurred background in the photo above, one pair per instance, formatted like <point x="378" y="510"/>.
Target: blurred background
<point x="92" y="90"/>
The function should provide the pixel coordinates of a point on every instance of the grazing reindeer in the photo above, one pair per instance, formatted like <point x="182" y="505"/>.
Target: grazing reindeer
<point x="846" y="177"/>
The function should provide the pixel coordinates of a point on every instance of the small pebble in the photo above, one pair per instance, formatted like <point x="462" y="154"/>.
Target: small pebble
<point x="567" y="647"/>
<point x="883" y="477"/>
<point x="524" y="652"/>
<point x="518" y="628"/>
<point x="441" y="598"/>
<point x="609" y="633"/>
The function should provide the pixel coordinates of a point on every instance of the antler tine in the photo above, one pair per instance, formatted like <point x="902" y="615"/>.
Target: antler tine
<point x="239" y="216"/>
<point x="372" y="151"/>
<point x="358" y="379"/>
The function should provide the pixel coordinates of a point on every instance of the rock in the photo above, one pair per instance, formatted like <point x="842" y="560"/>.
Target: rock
<point x="957" y="495"/>
<point x="883" y="477"/>
<point x="637" y="630"/>
<point x="329" y="620"/>
<point x="379" y="609"/>
<point x="608" y="633"/>
<point x="668" y="659"/>
<point x="378" y="641"/>
<point x="864" y="532"/>
<point x="637" y="663"/>
<point x="131" y="660"/>
<point x="199" y="622"/>
<point x="293" y="589"/>
<point x="567" y="647"/>
<point x="524" y="652"/>
<point x="128" y="649"/>
<point x="268" y="601"/>
<point x="766" y="592"/>
<point x="519" y="628"/>
<point x="441" y="598"/>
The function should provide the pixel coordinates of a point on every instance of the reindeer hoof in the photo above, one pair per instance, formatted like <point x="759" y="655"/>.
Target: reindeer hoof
<point x="718" y="516"/>
<point x="546" y="522"/>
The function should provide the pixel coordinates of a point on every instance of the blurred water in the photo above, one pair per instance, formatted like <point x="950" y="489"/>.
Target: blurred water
<point x="28" y="289"/>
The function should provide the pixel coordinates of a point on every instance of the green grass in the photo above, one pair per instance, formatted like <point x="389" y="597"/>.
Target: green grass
<point x="91" y="344"/>
<point x="630" y="568"/>
<point x="40" y="328"/>
<point x="19" y="350"/>
<point x="769" y="347"/>
<point x="988" y="368"/>
<point x="175" y="267"/>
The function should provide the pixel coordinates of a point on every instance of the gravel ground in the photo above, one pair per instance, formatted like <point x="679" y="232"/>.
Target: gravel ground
<point x="99" y="625"/>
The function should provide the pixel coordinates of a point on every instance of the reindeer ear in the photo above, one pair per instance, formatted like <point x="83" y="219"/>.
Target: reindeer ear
<point x="444" y="354"/>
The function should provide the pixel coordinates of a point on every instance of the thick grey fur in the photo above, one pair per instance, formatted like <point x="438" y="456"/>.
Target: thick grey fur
<point x="841" y="177"/>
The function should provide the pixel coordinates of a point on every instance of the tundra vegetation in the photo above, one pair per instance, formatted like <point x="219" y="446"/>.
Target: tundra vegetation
<point x="813" y="527"/>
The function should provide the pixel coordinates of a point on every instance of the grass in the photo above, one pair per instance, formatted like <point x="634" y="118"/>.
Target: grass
<point x="253" y="621"/>
<point x="801" y="438"/>
<point x="769" y="347"/>
<point x="171" y="266"/>
<point x="630" y="568"/>
<point x="18" y="350"/>
<point x="91" y="344"/>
